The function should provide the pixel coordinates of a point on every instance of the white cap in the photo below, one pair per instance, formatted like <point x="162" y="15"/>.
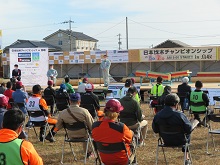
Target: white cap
<point x="185" y="80"/>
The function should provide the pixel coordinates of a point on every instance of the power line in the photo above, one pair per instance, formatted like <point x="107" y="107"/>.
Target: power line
<point x="108" y="29"/>
<point x="163" y="30"/>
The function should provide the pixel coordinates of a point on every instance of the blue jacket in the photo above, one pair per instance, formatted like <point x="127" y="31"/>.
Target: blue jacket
<point x="168" y="116"/>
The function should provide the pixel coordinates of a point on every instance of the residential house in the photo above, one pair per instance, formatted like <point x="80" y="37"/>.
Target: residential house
<point x="71" y="40"/>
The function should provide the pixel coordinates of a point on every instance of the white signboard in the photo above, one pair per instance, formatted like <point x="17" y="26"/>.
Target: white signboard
<point x="179" y="54"/>
<point x="118" y="56"/>
<point x="33" y="63"/>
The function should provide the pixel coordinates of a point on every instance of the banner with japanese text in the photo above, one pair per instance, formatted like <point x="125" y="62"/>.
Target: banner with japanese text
<point x="179" y="54"/>
<point x="33" y="63"/>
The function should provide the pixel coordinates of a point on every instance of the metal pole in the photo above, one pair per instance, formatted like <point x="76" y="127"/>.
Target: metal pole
<point x="127" y="33"/>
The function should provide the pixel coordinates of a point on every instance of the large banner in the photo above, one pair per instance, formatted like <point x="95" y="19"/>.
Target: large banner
<point x="33" y="63"/>
<point x="179" y="54"/>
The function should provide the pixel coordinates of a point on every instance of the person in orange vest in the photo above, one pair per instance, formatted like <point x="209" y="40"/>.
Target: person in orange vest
<point x="14" y="150"/>
<point x="36" y="102"/>
<point x="111" y="131"/>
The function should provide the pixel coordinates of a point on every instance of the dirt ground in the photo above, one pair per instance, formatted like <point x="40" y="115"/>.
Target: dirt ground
<point x="51" y="152"/>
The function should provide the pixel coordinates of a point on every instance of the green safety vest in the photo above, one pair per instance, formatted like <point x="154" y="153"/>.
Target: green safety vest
<point x="10" y="153"/>
<point x="157" y="90"/>
<point x="196" y="102"/>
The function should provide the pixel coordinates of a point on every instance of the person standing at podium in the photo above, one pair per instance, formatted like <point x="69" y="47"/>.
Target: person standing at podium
<point x="105" y="66"/>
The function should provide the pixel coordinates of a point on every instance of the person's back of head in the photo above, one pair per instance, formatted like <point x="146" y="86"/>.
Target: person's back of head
<point x="75" y="98"/>
<point x="37" y="89"/>
<point x="9" y="85"/>
<point x="67" y="79"/>
<point x="171" y="100"/>
<point x="132" y="81"/>
<point x="19" y="85"/>
<point x="62" y="88"/>
<point x="3" y="101"/>
<point x="128" y="83"/>
<point x="112" y="109"/>
<point x="167" y="89"/>
<point x="85" y="80"/>
<point x="185" y="80"/>
<point x="13" y="119"/>
<point x="3" y="84"/>
<point x="198" y="84"/>
<point x="159" y="79"/>
<point x="89" y="87"/>
<point x="132" y="91"/>
<point x="50" y="83"/>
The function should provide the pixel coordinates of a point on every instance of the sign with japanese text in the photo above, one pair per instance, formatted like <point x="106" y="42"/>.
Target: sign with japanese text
<point x="179" y="54"/>
<point x="33" y="63"/>
<point x="117" y="56"/>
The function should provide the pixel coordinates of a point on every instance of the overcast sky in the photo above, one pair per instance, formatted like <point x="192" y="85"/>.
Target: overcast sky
<point x="195" y="22"/>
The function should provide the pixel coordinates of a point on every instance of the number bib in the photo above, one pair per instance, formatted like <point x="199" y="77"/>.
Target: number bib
<point x="10" y="153"/>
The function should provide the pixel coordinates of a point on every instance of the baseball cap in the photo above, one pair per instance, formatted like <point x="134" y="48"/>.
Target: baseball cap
<point x="19" y="84"/>
<point x="62" y="86"/>
<point x="132" y="80"/>
<point x="3" y="100"/>
<point x="36" y="88"/>
<point x="85" y="80"/>
<point x="113" y="105"/>
<point x="128" y="83"/>
<point x="89" y="87"/>
<point x="75" y="97"/>
<point x="50" y="82"/>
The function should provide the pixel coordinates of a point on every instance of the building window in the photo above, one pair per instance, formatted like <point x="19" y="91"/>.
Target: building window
<point x="59" y="34"/>
<point x="60" y="42"/>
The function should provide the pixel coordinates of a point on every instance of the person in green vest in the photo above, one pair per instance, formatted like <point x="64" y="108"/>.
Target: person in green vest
<point x="198" y="97"/>
<point x="69" y="87"/>
<point x="156" y="91"/>
<point x="14" y="150"/>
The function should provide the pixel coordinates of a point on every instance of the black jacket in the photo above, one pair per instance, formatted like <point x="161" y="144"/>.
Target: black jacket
<point x="184" y="88"/>
<point x="168" y="116"/>
<point x="90" y="98"/>
<point x="16" y="73"/>
<point x="49" y="91"/>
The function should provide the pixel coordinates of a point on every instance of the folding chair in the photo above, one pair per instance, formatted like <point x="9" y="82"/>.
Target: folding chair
<point x="74" y="127"/>
<point x="176" y="132"/>
<point x="211" y="132"/>
<point x="216" y="102"/>
<point x="91" y="109"/>
<point x="50" y="100"/>
<point x="138" y="134"/>
<point x="111" y="148"/>
<point x="38" y="118"/>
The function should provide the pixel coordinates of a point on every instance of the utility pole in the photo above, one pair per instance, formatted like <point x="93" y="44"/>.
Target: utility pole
<point x="127" y="33"/>
<point x="70" y="32"/>
<point x="119" y="41"/>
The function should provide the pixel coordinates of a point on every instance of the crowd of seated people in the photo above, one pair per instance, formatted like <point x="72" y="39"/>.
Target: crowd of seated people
<point x="117" y="123"/>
